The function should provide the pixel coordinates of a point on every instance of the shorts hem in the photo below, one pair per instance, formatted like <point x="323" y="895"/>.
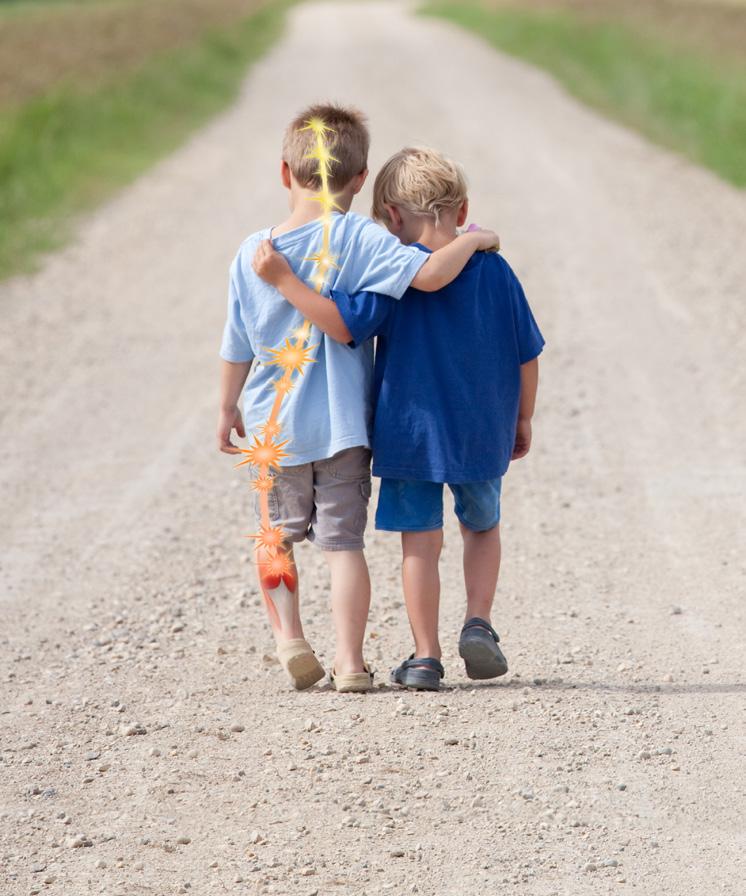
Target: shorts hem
<point x="472" y="528"/>
<point x="392" y="528"/>
<point x="336" y="546"/>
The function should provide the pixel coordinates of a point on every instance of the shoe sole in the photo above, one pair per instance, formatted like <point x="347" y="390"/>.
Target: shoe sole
<point x="482" y="659"/>
<point x="353" y="683"/>
<point x="304" y="671"/>
<point x="352" y="688"/>
<point x="417" y="680"/>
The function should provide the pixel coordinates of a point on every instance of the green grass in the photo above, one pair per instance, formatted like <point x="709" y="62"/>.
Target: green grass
<point x="689" y="101"/>
<point x="65" y="151"/>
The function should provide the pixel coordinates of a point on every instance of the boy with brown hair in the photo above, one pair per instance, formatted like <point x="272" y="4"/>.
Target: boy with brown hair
<point x="323" y="493"/>
<point x="454" y="391"/>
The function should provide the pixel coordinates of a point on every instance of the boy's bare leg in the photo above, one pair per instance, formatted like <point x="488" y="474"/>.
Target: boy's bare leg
<point x="350" y="606"/>
<point x="280" y="590"/>
<point x="481" y="568"/>
<point x="421" y="581"/>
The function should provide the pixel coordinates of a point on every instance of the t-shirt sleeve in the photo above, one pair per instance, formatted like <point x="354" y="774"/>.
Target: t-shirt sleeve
<point x="385" y="265"/>
<point x="236" y="345"/>
<point x="530" y="340"/>
<point x="364" y="313"/>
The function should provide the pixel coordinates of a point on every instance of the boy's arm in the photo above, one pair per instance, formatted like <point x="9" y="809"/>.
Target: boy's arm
<point x="446" y="263"/>
<point x="526" y="405"/>
<point x="232" y="378"/>
<point x="272" y="267"/>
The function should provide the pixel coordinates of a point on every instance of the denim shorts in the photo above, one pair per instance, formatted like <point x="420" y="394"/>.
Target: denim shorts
<point x="408" y="505"/>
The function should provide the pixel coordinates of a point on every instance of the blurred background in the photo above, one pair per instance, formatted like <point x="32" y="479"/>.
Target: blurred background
<point x="93" y="91"/>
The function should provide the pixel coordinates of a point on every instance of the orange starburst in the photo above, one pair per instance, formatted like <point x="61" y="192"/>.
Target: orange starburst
<point x="277" y="568"/>
<point x="270" y="538"/>
<point x="283" y="385"/>
<point x="270" y="429"/>
<point x="291" y="357"/>
<point x="266" y="453"/>
<point x="263" y="484"/>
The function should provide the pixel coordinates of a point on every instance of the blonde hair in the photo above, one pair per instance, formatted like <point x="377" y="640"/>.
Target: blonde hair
<point x="420" y="180"/>
<point x="348" y="144"/>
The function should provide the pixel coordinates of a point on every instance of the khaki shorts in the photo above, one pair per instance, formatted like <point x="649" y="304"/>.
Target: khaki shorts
<point x="325" y="501"/>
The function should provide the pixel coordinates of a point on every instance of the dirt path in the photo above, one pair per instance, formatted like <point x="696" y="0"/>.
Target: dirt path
<point x="148" y="741"/>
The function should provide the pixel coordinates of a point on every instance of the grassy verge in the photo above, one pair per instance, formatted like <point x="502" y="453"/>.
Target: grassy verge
<point x="66" y="149"/>
<point x="686" y="98"/>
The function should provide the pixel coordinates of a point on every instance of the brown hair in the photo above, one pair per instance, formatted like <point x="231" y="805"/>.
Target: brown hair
<point x="348" y="144"/>
<point x="418" y="179"/>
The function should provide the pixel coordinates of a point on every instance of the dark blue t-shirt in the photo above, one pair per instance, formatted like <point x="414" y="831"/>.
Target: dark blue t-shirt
<point x="447" y="372"/>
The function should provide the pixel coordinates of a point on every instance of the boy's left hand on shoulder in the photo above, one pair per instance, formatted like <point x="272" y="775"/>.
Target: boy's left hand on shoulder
<point x="269" y="264"/>
<point x="522" y="439"/>
<point x="489" y="240"/>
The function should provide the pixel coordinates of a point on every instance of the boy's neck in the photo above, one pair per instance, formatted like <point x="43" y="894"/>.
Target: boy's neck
<point x="304" y="208"/>
<point x="434" y="236"/>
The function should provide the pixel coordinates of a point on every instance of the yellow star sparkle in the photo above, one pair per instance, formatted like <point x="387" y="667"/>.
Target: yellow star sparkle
<point x="291" y="357"/>
<point x="323" y="155"/>
<point x="264" y="454"/>
<point x="323" y="260"/>
<point x="327" y="200"/>
<point x="263" y="484"/>
<point x="318" y="126"/>
<point x="270" y="538"/>
<point x="302" y="333"/>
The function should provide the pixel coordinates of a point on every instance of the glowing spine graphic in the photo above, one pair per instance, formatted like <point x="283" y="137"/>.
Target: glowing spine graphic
<point x="266" y="453"/>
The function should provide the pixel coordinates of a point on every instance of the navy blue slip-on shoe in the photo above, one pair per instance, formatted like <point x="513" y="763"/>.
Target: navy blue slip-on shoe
<point x="478" y="646"/>
<point x="422" y="673"/>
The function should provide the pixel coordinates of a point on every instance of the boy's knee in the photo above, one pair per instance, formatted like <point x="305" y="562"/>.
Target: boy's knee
<point x="476" y="531"/>
<point x="477" y="505"/>
<point x="428" y="543"/>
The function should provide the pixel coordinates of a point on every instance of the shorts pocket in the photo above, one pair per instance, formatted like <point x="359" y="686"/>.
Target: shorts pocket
<point x="350" y="465"/>
<point x="365" y="486"/>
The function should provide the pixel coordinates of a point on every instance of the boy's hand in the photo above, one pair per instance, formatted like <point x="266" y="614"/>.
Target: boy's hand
<point x="269" y="264"/>
<point x="522" y="439"/>
<point x="487" y="240"/>
<point x="230" y="419"/>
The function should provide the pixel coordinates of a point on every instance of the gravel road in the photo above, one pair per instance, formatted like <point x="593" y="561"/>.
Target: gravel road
<point x="148" y="741"/>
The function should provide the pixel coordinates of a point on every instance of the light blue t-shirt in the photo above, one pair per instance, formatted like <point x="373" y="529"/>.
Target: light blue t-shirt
<point x="329" y="408"/>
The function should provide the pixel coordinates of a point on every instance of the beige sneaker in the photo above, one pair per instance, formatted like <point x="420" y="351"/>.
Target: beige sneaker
<point x="300" y="663"/>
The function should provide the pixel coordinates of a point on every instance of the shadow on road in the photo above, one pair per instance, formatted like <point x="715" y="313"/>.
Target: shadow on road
<point x="670" y="690"/>
<point x="608" y="687"/>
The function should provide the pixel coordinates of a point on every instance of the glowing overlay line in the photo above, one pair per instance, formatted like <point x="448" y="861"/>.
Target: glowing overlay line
<point x="266" y="452"/>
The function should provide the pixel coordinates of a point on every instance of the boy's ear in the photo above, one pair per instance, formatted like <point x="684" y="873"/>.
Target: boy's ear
<point x="358" y="180"/>
<point x="395" y="218"/>
<point x="463" y="213"/>
<point x="285" y="174"/>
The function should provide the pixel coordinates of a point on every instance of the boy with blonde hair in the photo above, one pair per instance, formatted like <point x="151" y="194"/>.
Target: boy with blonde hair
<point x="454" y="392"/>
<point x="322" y="493"/>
